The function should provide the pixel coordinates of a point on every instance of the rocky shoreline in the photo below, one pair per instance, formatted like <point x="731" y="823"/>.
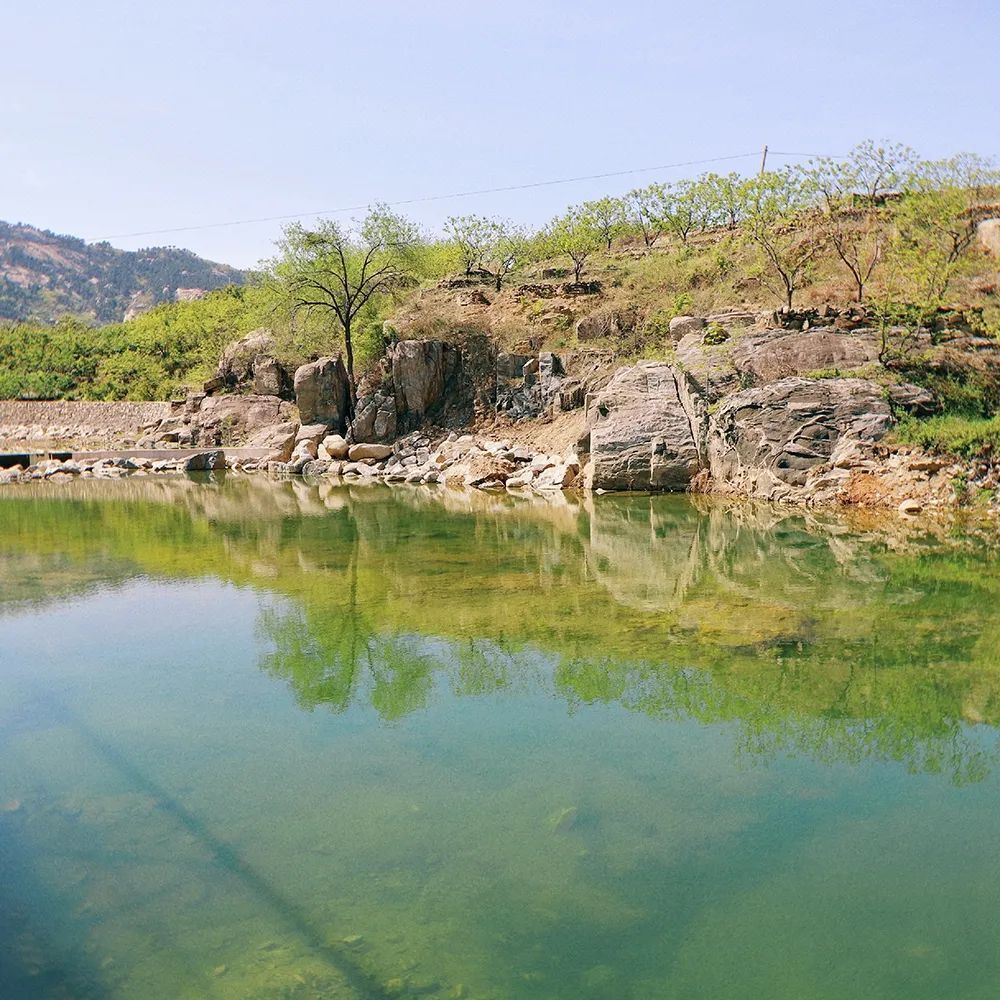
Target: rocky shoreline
<point x="741" y="406"/>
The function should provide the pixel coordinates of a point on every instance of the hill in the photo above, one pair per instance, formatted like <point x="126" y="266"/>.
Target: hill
<point x="45" y="276"/>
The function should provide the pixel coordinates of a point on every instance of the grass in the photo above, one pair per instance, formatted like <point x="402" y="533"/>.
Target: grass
<point x="952" y="434"/>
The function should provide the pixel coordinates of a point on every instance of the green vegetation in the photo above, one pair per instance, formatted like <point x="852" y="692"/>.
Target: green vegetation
<point x="45" y="277"/>
<point x="952" y="434"/>
<point x="149" y="357"/>
<point x="881" y="226"/>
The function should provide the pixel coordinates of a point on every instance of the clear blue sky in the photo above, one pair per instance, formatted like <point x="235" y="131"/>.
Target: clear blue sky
<point x="123" y="116"/>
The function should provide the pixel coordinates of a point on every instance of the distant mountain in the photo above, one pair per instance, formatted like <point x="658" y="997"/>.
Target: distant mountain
<point x="44" y="276"/>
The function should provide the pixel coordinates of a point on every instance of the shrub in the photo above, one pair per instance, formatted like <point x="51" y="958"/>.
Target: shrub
<point x="715" y="334"/>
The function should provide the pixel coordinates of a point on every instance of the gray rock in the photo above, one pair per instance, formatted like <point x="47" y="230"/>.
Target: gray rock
<point x="420" y="370"/>
<point x="280" y="438"/>
<point x="764" y="441"/>
<point x="914" y="399"/>
<point x="322" y="392"/>
<point x="205" y="461"/>
<point x="314" y="433"/>
<point x="681" y="326"/>
<point x="640" y="434"/>
<point x="375" y="419"/>
<point x="239" y="358"/>
<point x="270" y="378"/>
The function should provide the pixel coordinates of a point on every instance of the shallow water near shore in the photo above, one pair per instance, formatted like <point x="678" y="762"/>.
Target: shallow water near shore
<point x="287" y="740"/>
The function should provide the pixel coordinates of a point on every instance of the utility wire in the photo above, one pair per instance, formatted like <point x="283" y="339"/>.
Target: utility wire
<point x="437" y="197"/>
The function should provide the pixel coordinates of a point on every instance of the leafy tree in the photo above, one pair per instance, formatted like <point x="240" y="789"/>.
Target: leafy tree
<point x="686" y="208"/>
<point x="875" y="170"/>
<point x="507" y="249"/>
<point x="473" y="236"/>
<point x="339" y="270"/>
<point x="575" y="235"/>
<point x="608" y="216"/>
<point x="776" y="225"/>
<point x="935" y="225"/>
<point x="725" y="199"/>
<point x="645" y="211"/>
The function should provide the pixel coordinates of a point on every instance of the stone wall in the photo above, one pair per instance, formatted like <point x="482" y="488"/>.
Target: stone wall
<point x="43" y="422"/>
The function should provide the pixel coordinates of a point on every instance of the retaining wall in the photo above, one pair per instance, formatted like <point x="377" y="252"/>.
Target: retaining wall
<point x="34" y="422"/>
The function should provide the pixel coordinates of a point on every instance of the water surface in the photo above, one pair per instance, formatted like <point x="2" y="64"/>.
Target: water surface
<point x="278" y="740"/>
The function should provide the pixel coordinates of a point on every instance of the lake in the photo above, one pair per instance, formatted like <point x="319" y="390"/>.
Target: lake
<point x="265" y="740"/>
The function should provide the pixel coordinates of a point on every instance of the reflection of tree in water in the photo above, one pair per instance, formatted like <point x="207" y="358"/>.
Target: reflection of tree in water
<point x="813" y="637"/>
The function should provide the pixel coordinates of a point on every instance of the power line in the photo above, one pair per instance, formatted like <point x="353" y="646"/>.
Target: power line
<point x="436" y="197"/>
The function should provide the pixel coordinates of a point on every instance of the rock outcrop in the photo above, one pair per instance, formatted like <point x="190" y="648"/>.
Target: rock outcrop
<point x="250" y="364"/>
<point x="764" y="442"/>
<point x="641" y="436"/>
<point x="421" y="369"/>
<point x="322" y="393"/>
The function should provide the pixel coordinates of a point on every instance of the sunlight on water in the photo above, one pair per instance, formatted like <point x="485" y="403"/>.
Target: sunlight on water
<point x="272" y="740"/>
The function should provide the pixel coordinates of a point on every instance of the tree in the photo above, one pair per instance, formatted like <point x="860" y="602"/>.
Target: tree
<point x="339" y="270"/>
<point x="684" y="208"/>
<point x="859" y="243"/>
<point x="857" y="237"/>
<point x="576" y="235"/>
<point x="725" y="199"/>
<point x="608" y="217"/>
<point x="472" y="236"/>
<point x="775" y="223"/>
<point x="505" y="251"/>
<point x="875" y="170"/>
<point x="645" y="210"/>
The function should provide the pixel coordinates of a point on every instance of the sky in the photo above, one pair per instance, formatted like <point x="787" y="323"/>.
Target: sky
<point x="122" y="117"/>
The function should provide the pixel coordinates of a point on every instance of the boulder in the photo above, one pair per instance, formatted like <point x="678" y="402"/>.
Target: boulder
<point x="314" y="433"/>
<point x="270" y="378"/>
<point x="765" y="441"/>
<point x="375" y="419"/>
<point x="988" y="234"/>
<point x="333" y="446"/>
<point x="640" y="433"/>
<point x="913" y="399"/>
<point x="205" y="461"/>
<point x="322" y="392"/>
<point x="681" y="326"/>
<point x="280" y="438"/>
<point x="250" y="362"/>
<point x="369" y="452"/>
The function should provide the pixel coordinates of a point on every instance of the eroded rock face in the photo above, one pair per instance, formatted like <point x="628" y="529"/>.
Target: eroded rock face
<point x="758" y="357"/>
<point x="641" y="437"/>
<point x="375" y="419"/>
<point x="322" y="393"/>
<point x="420" y="371"/>
<point x="763" y="442"/>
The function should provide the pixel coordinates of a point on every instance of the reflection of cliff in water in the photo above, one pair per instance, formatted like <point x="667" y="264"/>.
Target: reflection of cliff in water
<point x="816" y="635"/>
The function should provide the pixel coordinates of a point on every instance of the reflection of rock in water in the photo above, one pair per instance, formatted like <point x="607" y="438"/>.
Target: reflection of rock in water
<point x="647" y="556"/>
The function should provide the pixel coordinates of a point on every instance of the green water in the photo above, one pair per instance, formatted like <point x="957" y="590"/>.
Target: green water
<point x="272" y="740"/>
